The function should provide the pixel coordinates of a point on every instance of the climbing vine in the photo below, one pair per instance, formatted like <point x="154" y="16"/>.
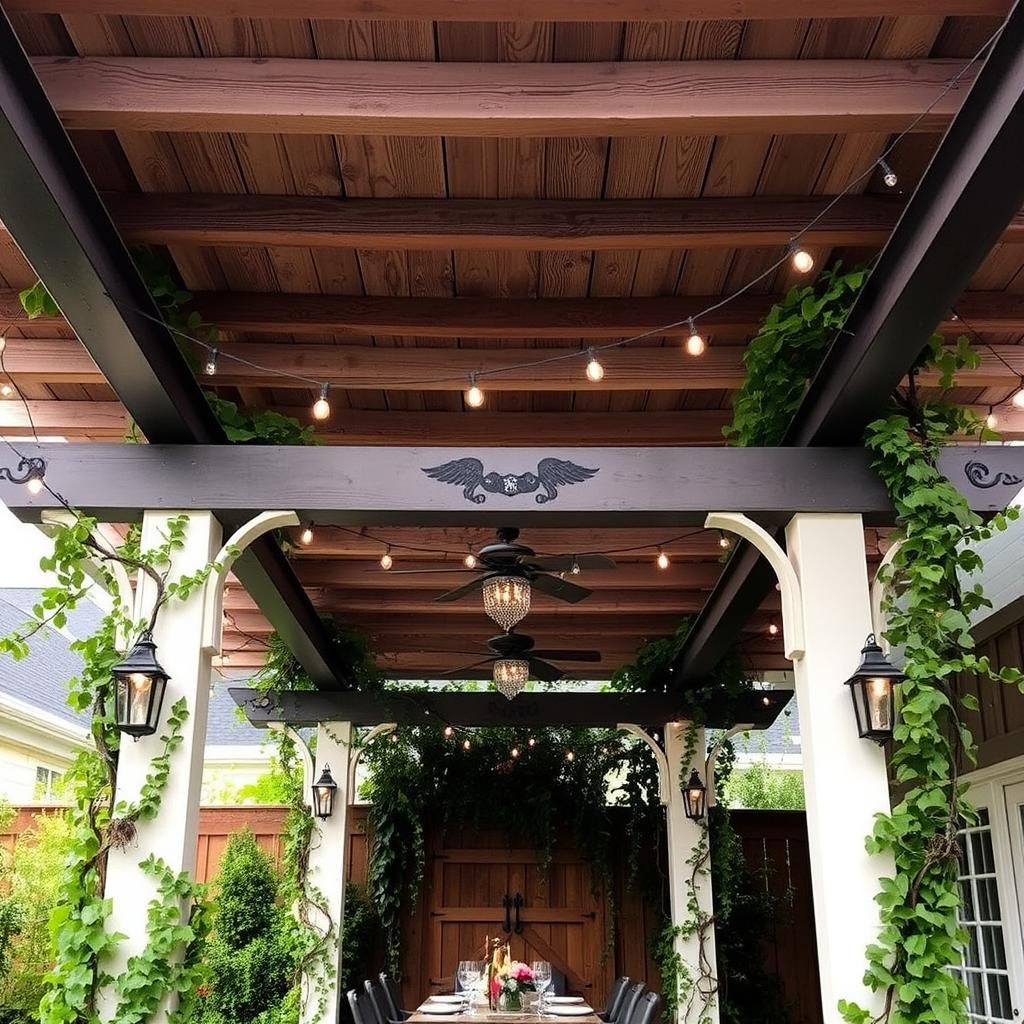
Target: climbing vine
<point x="177" y="920"/>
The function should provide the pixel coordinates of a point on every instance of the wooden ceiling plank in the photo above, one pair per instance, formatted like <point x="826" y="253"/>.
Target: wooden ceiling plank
<point x="556" y="99"/>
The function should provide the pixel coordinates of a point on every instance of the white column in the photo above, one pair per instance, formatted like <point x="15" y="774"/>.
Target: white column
<point x="684" y="836"/>
<point x="328" y="867"/>
<point x="172" y="835"/>
<point x="845" y="781"/>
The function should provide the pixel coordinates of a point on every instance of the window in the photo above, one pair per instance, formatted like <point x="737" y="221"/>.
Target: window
<point x="48" y="784"/>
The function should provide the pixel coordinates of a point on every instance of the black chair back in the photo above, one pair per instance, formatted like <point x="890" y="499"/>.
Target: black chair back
<point x="647" y="1009"/>
<point x="614" y="1000"/>
<point x="377" y="1001"/>
<point x="629" y="1003"/>
<point x="393" y="997"/>
<point x="361" y="1007"/>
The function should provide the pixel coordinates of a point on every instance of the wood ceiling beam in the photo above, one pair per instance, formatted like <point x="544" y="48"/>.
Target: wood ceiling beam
<point x="597" y="317"/>
<point x="161" y="94"/>
<point x="519" y="10"/>
<point x="532" y="224"/>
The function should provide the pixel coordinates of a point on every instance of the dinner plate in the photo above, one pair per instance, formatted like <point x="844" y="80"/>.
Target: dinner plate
<point x="570" y="1010"/>
<point x="565" y="1000"/>
<point x="448" y="999"/>
<point x="440" y="1008"/>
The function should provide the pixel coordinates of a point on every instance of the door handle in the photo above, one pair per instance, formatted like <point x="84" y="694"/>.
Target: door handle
<point x="506" y="903"/>
<point x="518" y="904"/>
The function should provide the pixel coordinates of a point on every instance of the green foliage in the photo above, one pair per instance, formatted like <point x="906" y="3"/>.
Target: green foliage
<point x="12" y="911"/>
<point x="785" y="353"/>
<point x="37" y="302"/>
<point x="251" y="959"/>
<point x="258" y="426"/>
<point x="929" y="607"/>
<point x="763" y="787"/>
<point x="351" y="653"/>
<point x="356" y="938"/>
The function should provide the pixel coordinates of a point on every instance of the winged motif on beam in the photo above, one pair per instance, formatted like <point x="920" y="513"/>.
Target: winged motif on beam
<point x="468" y="473"/>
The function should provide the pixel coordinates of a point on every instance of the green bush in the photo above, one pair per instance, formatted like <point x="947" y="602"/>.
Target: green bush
<point x="251" y="957"/>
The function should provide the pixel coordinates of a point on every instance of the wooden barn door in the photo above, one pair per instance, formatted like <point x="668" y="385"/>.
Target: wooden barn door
<point x="558" y="915"/>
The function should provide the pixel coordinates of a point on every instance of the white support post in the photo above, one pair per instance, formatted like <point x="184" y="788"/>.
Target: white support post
<point x="172" y="835"/>
<point x="845" y="781"/>
<point x="698" y="996"/>
<point x="328" y="867"/>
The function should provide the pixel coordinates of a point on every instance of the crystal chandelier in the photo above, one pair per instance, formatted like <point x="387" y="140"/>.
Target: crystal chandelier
<point x="510" y="675"/>
<point x="507" y="600"/>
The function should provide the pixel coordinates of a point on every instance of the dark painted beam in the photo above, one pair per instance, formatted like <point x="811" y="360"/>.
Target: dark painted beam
<point x="969" y="193"/>
<point x="608" y="486"/>
<point x="757" y="709"/>
<point x="52" y="211"/>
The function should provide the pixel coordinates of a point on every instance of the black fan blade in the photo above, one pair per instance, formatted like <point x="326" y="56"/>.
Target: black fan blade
<point x="456" y="672"/>
<point x="562" y="589"/>
<point x="564" y="563"/>
<point x="544" y="670"/>
<point x="568" y="655"/>
<point x="466" y="588"/>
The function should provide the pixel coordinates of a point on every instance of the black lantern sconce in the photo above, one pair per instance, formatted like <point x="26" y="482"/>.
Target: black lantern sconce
<point x="695" y="798"/>
<point x="139" y="683"/>
<point x="324" y="790"/>
<point x="871" y="688"/>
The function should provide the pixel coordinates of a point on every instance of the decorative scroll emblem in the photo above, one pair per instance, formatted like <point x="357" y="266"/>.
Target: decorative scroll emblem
<point x="470" y="476"/>
<point x="981" y="476"/>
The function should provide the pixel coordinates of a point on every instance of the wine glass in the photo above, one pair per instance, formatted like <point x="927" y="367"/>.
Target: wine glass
<point x="542" y="979"/>
<point x="469" y="976"/>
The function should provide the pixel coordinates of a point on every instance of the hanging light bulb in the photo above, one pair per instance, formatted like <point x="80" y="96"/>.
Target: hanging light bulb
<point x="474" y="396"/>
<point x="321" y="407"/>
<point x="469" y="561"/>
<point x="386" y="561"/>
<point x="773" y="628"/>
<point x="724" y="542"/>
<point x="888" y="175"/>
<point x="449" y="732"/>
<point x="575" y="569"/>
<point x="531" y="742"/>
<point x="211" y="362"/>
<point x="570" y="755"/>
<point x="803" y="261"/>
<point x="694" y="343"/>
<point x="466" y="744"/>
<point x="306" y="537"/>
<point x="663" y="561"/>
<point x="3" y="340"/>
<point x="34" y="485"/>
<point x="6" y="390"/>
<point x="394" y="737"/>
<point x="514" y="752"/>
<point x="595" y="371"/>
<point x="1018" y="397"/>
<point x="991" y="420"/>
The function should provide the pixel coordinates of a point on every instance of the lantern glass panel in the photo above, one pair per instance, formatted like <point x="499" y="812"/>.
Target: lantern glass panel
<point x="695" y="798"/>
<point x="139" y="697"/>
<point x="324" y="790"/>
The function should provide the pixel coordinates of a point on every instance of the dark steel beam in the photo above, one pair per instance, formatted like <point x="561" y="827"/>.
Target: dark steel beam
<point x="756" y="709"/>
<point x="969" y="193"/>
<point x="52" y="211"/>
<point x="587" y="487"/>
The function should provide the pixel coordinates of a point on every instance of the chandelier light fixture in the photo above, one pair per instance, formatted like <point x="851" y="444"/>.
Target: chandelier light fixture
<point x="507" y="600"/>
<point x="510" y="676"/>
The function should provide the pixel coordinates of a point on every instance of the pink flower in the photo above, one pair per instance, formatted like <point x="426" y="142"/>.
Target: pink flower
<point x="522" y="973"/>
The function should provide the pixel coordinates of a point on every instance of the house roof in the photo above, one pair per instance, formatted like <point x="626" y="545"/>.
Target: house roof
<point x="40" y="679"/>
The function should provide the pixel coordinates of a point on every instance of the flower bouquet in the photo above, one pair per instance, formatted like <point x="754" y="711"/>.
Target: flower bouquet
<point x="507" y="980"/>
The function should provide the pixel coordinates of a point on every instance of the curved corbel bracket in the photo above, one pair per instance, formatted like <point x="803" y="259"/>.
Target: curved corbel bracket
<point x="304" y="753"/>
<point x="124" y="597"/>
<point x="213" y="589"/>
<point x="709" y="762"/>
<point x="356" y="752"/>
<point x="879" y="586"/>
<point x="789" y="584"/>
<point x="664" y="777"/>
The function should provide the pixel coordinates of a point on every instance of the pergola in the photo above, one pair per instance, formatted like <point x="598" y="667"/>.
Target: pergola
<point x="388" y="197"/>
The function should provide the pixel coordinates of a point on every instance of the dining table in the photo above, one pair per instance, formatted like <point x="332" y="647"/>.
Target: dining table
<point x="482" y="1014"/>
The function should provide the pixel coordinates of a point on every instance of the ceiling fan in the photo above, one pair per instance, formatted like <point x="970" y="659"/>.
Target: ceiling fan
<point x="515" y="660"/>
<point x="507" y="571"/>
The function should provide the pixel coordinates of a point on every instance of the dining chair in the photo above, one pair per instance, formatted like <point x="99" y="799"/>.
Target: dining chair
<point x="629" y="1003"/>
<point x="613" y="1001"/>
<point x="393" y="998"/>
<point x="379" y="1005"/>
<point x="359" y="1005"/>
<point x="647" y="1009"/>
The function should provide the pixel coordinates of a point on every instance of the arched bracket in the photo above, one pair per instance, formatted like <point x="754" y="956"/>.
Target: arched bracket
<point x="213" y="589"/>
<point x="664" y="776"/>
<point x="304" y="753"/>
<point x="789" y="584"/>
<point x="357" y="752"/>
<point x="709" y="762"/>
<point x="124" y="596"/>
<point x="879" y="586"/>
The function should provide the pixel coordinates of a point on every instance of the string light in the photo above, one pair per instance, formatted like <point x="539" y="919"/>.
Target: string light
<point x="394" y="737"/>
<point x="6" y="390"/>
<point x="595" y="371"/>
<point x="321" y="407"/>
<point x="575" y="569"/>
<point x="34" y="485"/>
<point x="466" y="744"/>
<point x="803" y="261"/>
<point x="514" y="752"/>
<point x="449" y="732"/>
<point x="991" y="420"/>
<point x="211" y="362"/>
<point x="306" y="537"/>
<point x="469" y="561"/>
<point x="474" y="396"/>
<point x="1018" y="397"/>
<point x="663" y="561"/>
<point x="570" y="755"/>
<point x="531" y="742"/>
<point x="724" y="542"/>
<point x="386" y="561"/>
<point x="773" y="628"/>
<point x="888" y="174"/>
<point x="694" y="343"/>
<point x="3" y="340"/>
